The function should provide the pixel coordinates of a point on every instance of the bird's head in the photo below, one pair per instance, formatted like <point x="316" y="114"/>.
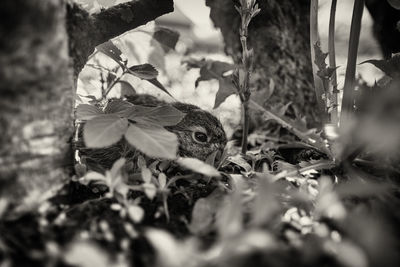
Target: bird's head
<point x="199" y="133"/>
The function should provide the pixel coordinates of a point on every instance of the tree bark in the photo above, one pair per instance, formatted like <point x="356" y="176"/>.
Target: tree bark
<point x="279" y="35"/>
<point x="43" y="46"/>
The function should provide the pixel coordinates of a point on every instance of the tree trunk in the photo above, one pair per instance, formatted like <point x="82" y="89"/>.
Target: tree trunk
<point x="43" y="46"/>
<point x="279" y="35"/>
<point x="36" y="98"/>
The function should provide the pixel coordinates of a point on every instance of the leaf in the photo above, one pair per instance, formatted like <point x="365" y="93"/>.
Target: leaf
<point x="146" y="175"/>
<point x="226" y="88"/>
<point x="117" y="106"/>
<point x="126" y="88"/>
<point x="394" y="3"/>
<point x="104" y="131"/>
<point x="198" y="166"/>
<point x="136" y="213"/>
<point x="240" y="161"/>
<point x="150" y="190"/>
<point x="163" y="116"/>
<point x="156" y="83"/>
<point x="144" y="71"/>
<point x="86" y="254"/>
<point x="109" y="49"/>
<point x="320" y="57"/>
<point x="202" y="216"/>
<point x="162" y="180"/>
<point x="116" y="168"/>
<point x="153" y="141"/>
<point x="169" y="251"/>
<point x="87" y="112"/>
<point x="213" y="70"/>
<point x="167" y="38"/>
<point x="390" y="67"/>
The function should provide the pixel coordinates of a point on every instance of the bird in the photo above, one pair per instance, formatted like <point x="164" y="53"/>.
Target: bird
<point x="200" y="134"/>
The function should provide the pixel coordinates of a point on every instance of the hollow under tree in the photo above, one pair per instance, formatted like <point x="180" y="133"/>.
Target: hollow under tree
<point x="44" y="44"/>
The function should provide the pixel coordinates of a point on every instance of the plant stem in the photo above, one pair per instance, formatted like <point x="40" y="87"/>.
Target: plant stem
<point x="314" y="39"/>
<point x="246" y="124"/>
<point x="317" y="144"/>
<point x="349" y="83"/>
<point x="247" y="10"/>
<point x="116" y="80"/>
<point x="332" y="64"/>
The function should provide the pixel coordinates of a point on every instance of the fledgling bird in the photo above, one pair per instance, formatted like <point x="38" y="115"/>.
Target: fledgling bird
<point x="199" y="133"/>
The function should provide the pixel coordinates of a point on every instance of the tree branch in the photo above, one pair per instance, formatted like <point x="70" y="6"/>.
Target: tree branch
<point x="87" y="31"/>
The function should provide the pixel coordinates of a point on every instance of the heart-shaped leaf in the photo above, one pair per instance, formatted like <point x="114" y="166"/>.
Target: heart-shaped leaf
<point x="104" y="131"/>
<point x="87" y="112"/>
<point x="153" y="141"/>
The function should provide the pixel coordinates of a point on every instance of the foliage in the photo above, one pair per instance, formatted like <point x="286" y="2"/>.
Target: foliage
<point x="297" y="197"/>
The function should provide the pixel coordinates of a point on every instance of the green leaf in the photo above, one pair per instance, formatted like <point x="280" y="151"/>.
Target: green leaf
<point x="87" y="112"/>
<point x="117" y="106"/>
<point x="226" y="89"/>
<point x="390" y="67"/>
<point x="198" y="166"/>
<point x="167" y="38"/>
<point x="104" y="131"/>
<point x="153" y="141"/>
<point x="144" y="71"/>
<point x="109" y="49"/>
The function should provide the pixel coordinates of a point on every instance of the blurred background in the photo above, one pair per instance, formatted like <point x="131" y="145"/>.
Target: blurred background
<point x="199" y="39"/>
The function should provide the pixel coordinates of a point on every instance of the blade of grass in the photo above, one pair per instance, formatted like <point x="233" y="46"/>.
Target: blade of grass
<point x="314" y="39"/>
<point x="349" y="83"/>
<point x="332" y="64"/>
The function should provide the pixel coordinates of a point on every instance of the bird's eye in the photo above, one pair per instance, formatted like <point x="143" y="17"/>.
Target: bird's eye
<point x="200" y="137"/>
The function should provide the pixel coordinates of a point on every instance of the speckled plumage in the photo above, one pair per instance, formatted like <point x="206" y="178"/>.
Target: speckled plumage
<point x="194" y="120"/>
